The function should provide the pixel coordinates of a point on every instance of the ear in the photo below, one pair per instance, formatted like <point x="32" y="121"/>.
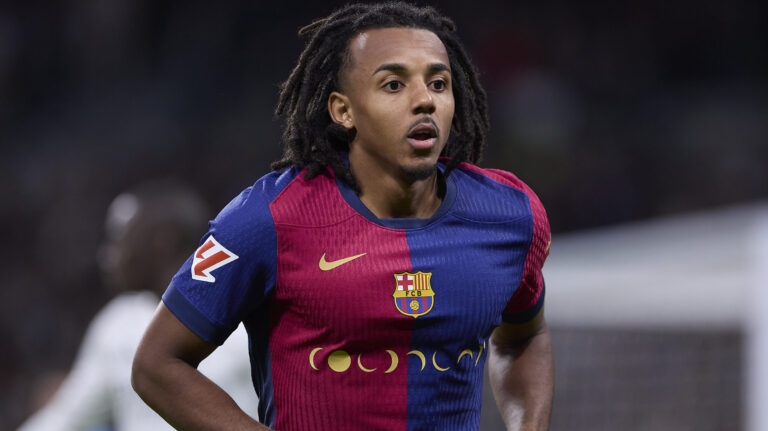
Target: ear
<point x="340" y="110"/>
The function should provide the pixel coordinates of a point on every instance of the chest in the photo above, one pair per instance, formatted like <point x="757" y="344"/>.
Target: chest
<point x="355" y="281"/>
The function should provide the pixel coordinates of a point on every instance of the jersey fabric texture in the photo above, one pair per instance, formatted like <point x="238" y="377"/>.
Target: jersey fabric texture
<point x="364" y="323"/>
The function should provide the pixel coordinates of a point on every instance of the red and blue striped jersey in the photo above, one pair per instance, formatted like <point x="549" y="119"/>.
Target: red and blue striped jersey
<point x="357" y="322"/>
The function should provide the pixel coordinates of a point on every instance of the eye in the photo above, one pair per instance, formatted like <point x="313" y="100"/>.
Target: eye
<point x="438" y="85"/>
<point x="393" y="86"/>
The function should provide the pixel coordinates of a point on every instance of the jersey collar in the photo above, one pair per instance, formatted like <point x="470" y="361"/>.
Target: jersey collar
<point x="354" y="201"/>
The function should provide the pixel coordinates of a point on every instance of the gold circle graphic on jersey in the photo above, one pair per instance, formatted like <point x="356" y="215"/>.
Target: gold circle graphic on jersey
<point x="482" y="348"/>
<point x="362" y="368"/>
<point x="395" y="361"/>
<point x="340" y="361"/>
<point x="420" y="356"/>
<point x="413" y="293"/>
<point x="438" y="367"/>
<point x="312" y="357"/>
<point x="466" y="352"/>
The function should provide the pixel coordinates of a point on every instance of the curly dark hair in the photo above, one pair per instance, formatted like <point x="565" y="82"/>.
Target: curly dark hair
<point x="313" y="140"/>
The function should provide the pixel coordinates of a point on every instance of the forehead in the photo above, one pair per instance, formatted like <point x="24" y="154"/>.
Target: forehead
<point x="371" y="48"/>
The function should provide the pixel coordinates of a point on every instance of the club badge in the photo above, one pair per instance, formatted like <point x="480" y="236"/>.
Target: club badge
<point x="413" y="293"/>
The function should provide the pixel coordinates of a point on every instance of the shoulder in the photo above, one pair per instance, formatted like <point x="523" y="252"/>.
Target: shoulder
<point x="499" y="177"/>
<point x="283" y="197"/>
<point x="244" y="228"/>
<point x="260" y="195"/>
<point x="500" y="194"/>
<point x="249" y="211"/>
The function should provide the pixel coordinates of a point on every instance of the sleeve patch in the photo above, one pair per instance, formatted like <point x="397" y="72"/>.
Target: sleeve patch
<point x="208" y="257"/>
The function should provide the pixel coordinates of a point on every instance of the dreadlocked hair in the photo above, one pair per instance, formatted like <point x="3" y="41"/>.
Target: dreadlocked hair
<point x="312" y="139"/>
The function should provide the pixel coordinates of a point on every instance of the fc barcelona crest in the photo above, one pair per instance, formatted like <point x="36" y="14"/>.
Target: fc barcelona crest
<point x="413" y="293"/>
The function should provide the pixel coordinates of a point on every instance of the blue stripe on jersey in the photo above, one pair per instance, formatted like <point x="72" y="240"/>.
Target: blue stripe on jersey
<point x="231" y="298"/>
<point x="488" y="227"/>
<point x="257" y="326"/>
<point x="242" y="287"/>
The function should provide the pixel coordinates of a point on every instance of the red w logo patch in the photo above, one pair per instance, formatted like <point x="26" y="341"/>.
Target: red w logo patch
<point x="209" y="256"/>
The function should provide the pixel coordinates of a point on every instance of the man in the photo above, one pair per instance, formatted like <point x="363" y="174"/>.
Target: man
<point x="373" y="277"/>
<point x="148" y="234"/>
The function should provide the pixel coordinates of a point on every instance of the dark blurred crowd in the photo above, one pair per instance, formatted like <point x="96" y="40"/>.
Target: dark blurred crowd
<point x="611" y="111"/>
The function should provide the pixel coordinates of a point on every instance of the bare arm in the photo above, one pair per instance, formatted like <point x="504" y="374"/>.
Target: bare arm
<point x="521" y="373"/>
<point x="165" y="376"/>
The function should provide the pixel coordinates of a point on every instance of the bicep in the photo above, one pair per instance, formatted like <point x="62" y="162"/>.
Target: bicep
<point x="511" y="335"/>
<point x="167" y="337"/>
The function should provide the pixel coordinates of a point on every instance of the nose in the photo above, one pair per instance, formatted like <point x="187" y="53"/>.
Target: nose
<point x="423" y="102"/>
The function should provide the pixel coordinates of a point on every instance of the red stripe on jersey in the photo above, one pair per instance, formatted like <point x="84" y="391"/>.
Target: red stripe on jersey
<point x="330" y="328"/>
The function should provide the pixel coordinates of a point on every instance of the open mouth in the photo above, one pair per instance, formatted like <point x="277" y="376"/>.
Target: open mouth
<point x="422" y="136"/>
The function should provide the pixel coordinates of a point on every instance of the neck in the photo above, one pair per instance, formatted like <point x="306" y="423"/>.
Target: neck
<point x="394" y="196"/>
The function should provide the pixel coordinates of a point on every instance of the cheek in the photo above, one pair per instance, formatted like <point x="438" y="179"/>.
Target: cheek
<point x="378" y="119"/>
<point x="446" y="119"/>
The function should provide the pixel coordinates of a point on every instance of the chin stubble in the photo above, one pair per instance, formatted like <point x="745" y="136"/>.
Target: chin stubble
<point x="418" y="174"/>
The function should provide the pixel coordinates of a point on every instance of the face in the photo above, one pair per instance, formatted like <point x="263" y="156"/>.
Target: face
<point x="396" y="94"/>
<point x="140" y="251"/>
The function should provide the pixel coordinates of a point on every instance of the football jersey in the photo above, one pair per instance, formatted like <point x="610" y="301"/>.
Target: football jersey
<point x="361" y="323"/>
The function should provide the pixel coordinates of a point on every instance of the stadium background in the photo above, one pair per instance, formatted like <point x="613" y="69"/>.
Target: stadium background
<point x="614" y="112"/>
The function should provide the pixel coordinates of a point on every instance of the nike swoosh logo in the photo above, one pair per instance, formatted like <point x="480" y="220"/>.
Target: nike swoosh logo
<point x="327" y="266"/>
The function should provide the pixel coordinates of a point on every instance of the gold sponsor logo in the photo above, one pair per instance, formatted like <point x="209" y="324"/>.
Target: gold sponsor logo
<point x="341" y="361"/>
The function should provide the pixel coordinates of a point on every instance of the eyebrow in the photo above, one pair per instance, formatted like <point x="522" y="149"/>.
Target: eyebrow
<point x="399" y="68"/>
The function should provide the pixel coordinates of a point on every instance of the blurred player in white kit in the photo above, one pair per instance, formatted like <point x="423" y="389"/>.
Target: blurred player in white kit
<point x="148" y="234"/>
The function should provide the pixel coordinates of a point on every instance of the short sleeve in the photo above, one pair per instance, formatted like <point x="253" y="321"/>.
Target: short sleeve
<point x="231" y="273"/>
<point x="528" y="299"/>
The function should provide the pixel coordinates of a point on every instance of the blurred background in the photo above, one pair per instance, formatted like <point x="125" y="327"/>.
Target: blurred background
<point x="642" y="126"/>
